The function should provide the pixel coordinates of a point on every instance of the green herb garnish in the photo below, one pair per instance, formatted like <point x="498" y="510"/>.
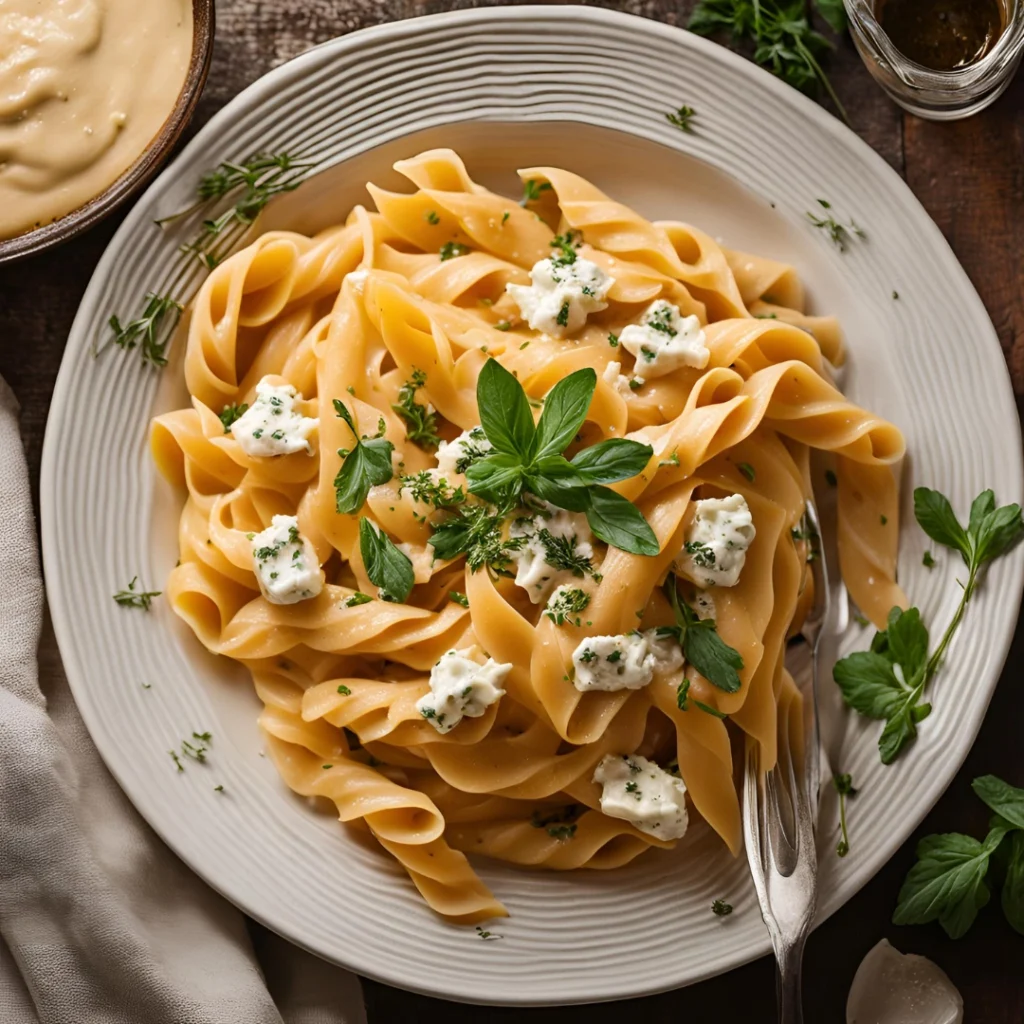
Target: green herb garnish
<point x="357" y="599"/>
<point x="150" y="332"/>
<point x="364" y="466"/>
<point x="458" y="598"/>
<point x="844" y="787"/>
<point x="420" y="423"/>
<point x="532" y="190"/>
<point x="948" y="882"/>
<point x="681" y="119"/>
<point x="721" y="909"/>
<point x="839" y="234"/>
<point x="388" y="568"/>
<point x="230" y="413"/>
<point x="702" y="647"/>
<point x="132" y="598"/>
<point x="566" y="604"/>
<point x="452" y="249"/>
<point x="888" y="681"/>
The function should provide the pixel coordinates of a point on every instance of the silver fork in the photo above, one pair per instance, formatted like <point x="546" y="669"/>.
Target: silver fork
<point x="780" y="811"/>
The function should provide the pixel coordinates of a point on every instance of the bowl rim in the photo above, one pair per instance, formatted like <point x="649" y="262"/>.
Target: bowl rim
<point x="144" y="166"/>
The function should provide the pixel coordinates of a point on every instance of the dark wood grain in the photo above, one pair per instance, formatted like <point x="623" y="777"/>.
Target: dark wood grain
<point x="970" y="177"/>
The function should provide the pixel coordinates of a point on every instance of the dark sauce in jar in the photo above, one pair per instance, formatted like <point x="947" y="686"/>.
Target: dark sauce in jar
<point x="942" y="34"/>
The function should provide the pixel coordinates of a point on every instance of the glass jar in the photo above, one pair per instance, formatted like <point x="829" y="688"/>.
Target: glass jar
<point x="938" y="95"/>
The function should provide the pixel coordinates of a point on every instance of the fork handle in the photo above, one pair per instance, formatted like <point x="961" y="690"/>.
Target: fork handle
<point x="788" y="983"/>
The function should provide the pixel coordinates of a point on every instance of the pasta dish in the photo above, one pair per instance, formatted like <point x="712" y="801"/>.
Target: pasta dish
<point x="502" y="504"/>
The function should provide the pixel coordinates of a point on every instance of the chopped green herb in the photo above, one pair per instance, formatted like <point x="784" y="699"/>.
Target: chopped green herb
<point x="565" y="605"/>
<point x="681" y="119"/>
<point x="532" y="190"/>
<point x="486" y="935"/>
<point x="928" y="560"/>
<point x="562" y="832"/>
<point x="458" y="598"/>
<point x="344" y="690"/>
<point x="721" y="909"/>
<point x="132" y="598"/>
<point x="150" y="332"/>
<point x="431" y="217"/>
<point x="839" y="234"/>
<point x="357" y="598"/>
<point x="450" y="250"/>
<point x="420" y="422"/>
<point x="504" y="325"/>
<point x="218" y="789"/>
<point x="747" y="470"/>
<point x="230" y="413"/>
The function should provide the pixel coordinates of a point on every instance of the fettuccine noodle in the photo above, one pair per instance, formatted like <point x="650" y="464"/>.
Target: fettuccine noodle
<point x="340" y="675"/>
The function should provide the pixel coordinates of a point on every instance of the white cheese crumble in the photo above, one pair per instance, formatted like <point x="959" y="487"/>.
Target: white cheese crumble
<point x="553" y="535"/>
<point x="717" y="542"/>
<point x="461" y="687"/>
<point x="357" y="278"/>
<point x="272" y="425"/>
<point x="642" y="793"/>
<point x="285" y="562"/>
<point x="458" y="455"/>
<point x="623" y="384"/>
<point x="664" y="340"/>
<point x="624" y="662"/>
<point x="562" y="294"/>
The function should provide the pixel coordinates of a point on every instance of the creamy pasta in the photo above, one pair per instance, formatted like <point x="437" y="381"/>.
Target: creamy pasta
<point x="468" y="657"/>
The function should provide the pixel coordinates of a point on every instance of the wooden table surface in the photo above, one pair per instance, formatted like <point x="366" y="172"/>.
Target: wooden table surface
<point x="970" y="177"/>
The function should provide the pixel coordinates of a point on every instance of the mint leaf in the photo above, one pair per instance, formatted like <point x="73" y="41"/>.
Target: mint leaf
<point x="936" y="517"/>
<point x="868" y="684"/>
<point x="982" y="505"/>
<point x="887" y="681"/>
<point x="1013" y="885"/>
<point x="947" y="884"/>
<point x="907" y="641"/>
<point x="388" y="568"/>
<point x="617" y="521"/>
<point x="505" y="411"/>
<point x="565" y="410"/>
<point x="608" y="462"/>
<point x="997" y="532"/>
<point x="364" y="466"/>
<point x="1006" y="800"/>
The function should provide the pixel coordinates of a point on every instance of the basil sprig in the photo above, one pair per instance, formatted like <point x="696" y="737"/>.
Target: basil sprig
<point x="528" y="458"/>
<point x="389" y="569"/>
<point x="365" y="465"/>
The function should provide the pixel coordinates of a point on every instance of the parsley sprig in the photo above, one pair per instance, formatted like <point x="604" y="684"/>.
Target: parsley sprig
<point x="702" y="647"/>
<point x="888" y="681"/>
<point x="948" y="882"/>
<point x="232" y="412"/>
<point x="364" y="466"/>
<point x="839" y="234"/>
<point x="150" y="331"/>
<point x="389" y="568"/>
<point x="420" y="422"/>
<point x="681" y="119"/>
<point x="528" y="459"/>
<point x="784" y="41"/>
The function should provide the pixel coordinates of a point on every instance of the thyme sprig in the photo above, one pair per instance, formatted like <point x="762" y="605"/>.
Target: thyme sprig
<point x="150" y="331"/>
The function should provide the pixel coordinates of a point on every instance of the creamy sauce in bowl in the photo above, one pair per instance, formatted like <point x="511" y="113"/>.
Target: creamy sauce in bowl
<point x="85" y="86"/>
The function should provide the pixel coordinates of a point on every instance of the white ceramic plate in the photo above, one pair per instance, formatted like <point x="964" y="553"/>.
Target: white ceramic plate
<point x="588" y="90"/>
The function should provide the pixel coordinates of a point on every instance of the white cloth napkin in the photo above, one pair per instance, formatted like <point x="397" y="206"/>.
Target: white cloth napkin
<point x="99" y="921"/>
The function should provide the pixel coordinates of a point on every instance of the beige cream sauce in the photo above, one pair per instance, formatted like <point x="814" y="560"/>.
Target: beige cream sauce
<point x="85" y="85"/>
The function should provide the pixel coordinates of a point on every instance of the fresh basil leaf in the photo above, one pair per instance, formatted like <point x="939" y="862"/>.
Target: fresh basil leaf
<point x="617" y="521"/>
<point x="616" y="459"/>
<point x="868" y="684"/>
<point x="907" y="642"/>
<point x="1006" y="800"/>
<point x="505" y="411"/>
<point x="936" y="517"/>
<point x="495" y="478"/>
<point x="389" y="569"/>
<point x="947" y="884"/>
<point x="981" y="507"/>
<point x="365" y="466"/>
<point x="833" y="12"/>
<point x="997" y="532"/>
<point x="565" y="410"/>
<point x="1012" y="897"/>
<point x="556" y="480"/>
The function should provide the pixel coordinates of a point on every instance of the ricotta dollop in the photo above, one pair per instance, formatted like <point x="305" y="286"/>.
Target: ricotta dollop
<point x="716" y="543"/>
<point x="272" y="425"/>
<point x="544" y="538"/>
<point x="664" y="340"/>
<point x="624" y="662"/>
<point x="562" y="295"/>
<point x="644" y="794"/>
<point x="286" y="565"/>
<point x="461" y="687"/>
